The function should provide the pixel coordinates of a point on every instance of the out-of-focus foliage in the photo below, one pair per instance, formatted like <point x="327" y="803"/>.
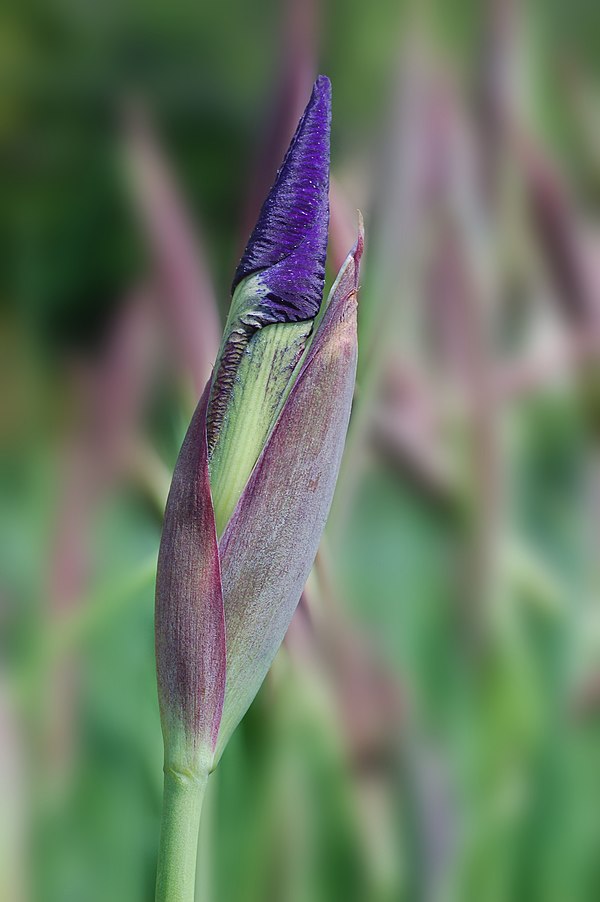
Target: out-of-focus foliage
<point x="431" y="728"/>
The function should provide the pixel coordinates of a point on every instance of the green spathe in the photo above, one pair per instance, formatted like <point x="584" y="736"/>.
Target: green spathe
<point x="262" y="378"/>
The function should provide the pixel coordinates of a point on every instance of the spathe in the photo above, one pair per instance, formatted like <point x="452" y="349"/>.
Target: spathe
<point x="222" y="610"/>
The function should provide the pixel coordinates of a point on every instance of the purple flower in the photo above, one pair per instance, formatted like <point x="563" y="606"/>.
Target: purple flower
<point x="289" y="243"/>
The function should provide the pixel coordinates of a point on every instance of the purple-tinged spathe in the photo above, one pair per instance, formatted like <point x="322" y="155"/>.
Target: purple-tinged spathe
<point x="189" y="617"/>
<point x="222" y="609"/>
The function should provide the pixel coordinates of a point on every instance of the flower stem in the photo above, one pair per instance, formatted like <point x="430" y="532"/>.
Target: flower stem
<point x="182" y="807"/>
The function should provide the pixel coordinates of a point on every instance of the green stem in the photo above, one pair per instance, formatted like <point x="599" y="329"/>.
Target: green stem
<point x="182" y="807"/>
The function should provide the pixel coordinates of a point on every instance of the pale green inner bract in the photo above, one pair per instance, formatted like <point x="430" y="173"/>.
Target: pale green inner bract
<point x="261" y="382"/>
<point x="268" y="366"/>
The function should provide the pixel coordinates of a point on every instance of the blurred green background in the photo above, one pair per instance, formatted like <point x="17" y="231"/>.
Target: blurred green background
<point x="431" y="728"/>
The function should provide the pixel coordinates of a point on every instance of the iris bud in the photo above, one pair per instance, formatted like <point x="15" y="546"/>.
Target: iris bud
<point x="255" y="476"/>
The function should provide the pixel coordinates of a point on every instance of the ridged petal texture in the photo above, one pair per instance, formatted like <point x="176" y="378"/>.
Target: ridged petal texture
<point x="189" y="620"/>
<point x="270" y="543"/>
<point x="289" y="241"/>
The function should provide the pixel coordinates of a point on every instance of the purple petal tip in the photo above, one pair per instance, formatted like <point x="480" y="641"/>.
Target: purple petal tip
<point x="289" y="241"/>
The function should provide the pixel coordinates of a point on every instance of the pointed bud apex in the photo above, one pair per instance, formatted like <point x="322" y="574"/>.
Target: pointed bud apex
<point x="289" y="243"/>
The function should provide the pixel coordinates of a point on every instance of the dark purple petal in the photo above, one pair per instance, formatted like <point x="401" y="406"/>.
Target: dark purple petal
<point x="270" y="543"/>
<point x="289" y="241"/>
<point x="189" y="621"/>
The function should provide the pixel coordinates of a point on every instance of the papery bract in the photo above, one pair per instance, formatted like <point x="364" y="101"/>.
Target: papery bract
<point x="189" y="618"/>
